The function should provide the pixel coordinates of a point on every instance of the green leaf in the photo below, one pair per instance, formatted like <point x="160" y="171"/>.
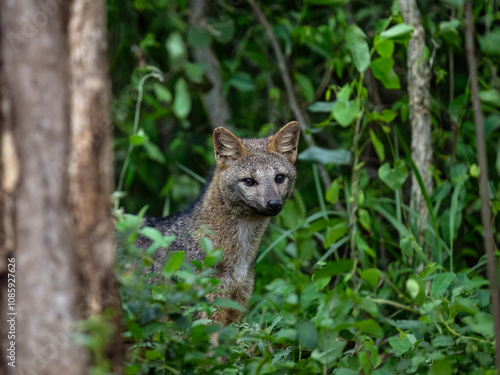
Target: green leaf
<point x="408" y="245"/>
<point x="441" y="283"/>
<point x="308" y="335"/>
<point x="490" y="97"/>
<point x="400" y="345"/>
<point x="371" y="275"/>
<point x="345" y="111"/>
<point x="182" y="99"/>
<point x="174" y="262"/>
<point x="228" y="303"/>
<point x="326" y="156"/>
<point x="138" y="138"/>
<point x="356" y="44"/>
<point x="175" y="46"/>
<point x="394" y="178"/>
<point x="474" y="170"/>
<point x="154" y="152"/>
<point x="378" y="146"/>
<point x="242" y="81"/>
<point x="370" y="327"/>
<point x="333" y="269"/>
<point x="442" y="341"/>
<point x="413" y="288"/>
<point x="383" y="71"/>
<point x="400" y="33"/>
<point x="198" y="37"/>
<point x="441" y="367"/>
<point x="384" y="47"/>
<point x="329" y="357"/>
<point x="332" y="194"/>
<point x="321" y="107"/>
<point x="194" y="72"/>
<point x="306" y="86"/>
<point x="489" y="42"/>
<point x="364" y="219"/>
<point x="162" y="93"/>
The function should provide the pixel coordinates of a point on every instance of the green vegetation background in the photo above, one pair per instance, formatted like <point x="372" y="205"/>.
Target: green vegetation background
<point x="336" y="292"/>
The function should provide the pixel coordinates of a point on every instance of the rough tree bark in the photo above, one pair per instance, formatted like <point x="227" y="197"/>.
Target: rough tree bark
<point x="420" y="117"/>
<point x="56" y="181"/>
<point x="214" y="101"/>
<point x="483" y="177"/>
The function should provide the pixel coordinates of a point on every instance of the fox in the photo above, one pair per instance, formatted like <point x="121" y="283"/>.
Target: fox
<point x="250" y="183"/>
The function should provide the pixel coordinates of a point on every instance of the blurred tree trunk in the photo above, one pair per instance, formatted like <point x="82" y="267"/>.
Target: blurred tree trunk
<point x="213" y="99"/>
<point x="418" y="91"/>
<point x="56" y="174"/>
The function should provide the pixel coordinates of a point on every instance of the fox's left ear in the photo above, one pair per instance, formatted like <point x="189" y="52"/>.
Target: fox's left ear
<point x="286" y="141"/>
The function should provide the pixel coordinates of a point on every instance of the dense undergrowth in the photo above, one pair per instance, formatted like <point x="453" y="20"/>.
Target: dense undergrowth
<point x="345" y="285"/>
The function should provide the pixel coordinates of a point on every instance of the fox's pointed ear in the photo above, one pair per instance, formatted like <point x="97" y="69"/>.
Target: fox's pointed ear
<point x="286" y="141"/>
<point x="227" y="146"/>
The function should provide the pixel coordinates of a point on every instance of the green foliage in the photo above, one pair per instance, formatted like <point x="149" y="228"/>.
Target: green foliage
<point x="345" y="284"/>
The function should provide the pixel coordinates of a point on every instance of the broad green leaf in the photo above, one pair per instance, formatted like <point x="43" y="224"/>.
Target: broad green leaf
<point x="154" y="152"/>
<point x="384" y="47"/>
<point x="370" y="327"/>
<point x="345" y="111"/>
<point x="382" y="70"/>
<point x="400" y="33"/>
<point x="305" y="85"/>
<point x="308" y="335"/>
<point x="394" y="177"/>
<point x="162" y="93"/>
<point x="334" y="233"/>
<point x="364" y="219"/>
<point x="378" y="146"/>
<point x="407" y="244"/>
<point x="138" y="138"/>
<point x="400" y="345"/>
<point x="175" y="46"/>
<point x="490" y="97"/>
<point x="330" y="356"/>
<point x="364" y="361"/>
<point x="198" y="37"/>
<point x="441" y="367"/>
<point x="242" y="81"/>
<point x="413" y="288"/>
<point x="322" y="107"/>
<point x="332" y="194"/>
<point x="182" y="99"/>
<point x="371" y="275"/>
<point x="442" y="341"/>
<point x="228" y="303"/>
<point x="481" y="323"/>
<point x="441" y="283"/>
<point x="174" y="262"/>
<point x="356" y="44"/>
<point x="194" y="72"/>
<point x="489" y="42"/>
<point x="326" y="156"/>
<point x="333" y="269"/>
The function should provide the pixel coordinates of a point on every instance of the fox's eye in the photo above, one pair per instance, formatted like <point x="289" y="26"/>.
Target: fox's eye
<point x="249" y="182"/>
<point x="279" y="179"/>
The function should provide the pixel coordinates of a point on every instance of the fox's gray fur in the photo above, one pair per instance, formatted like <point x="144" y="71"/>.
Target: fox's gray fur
<point x="252" y="179"/>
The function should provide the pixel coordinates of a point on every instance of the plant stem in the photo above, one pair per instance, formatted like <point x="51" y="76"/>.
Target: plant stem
<point x="483" y="177"/>
<point x="140" y="92"/>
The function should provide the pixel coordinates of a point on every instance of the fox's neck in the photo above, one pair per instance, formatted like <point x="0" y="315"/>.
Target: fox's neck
<point x="234" y="230"/>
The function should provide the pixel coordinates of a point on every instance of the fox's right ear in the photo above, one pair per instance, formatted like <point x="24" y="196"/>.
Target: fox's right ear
<point x="227" y="146"/>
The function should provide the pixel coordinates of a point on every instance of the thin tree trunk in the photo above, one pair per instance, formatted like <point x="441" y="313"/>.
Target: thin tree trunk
<point x="489" y="246"/>
<point x="56" y="181"/>
<point x="214" y="101"/>
<point x="420" y="117"/>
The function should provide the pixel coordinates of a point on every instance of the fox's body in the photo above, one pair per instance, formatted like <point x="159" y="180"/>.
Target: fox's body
<point x="252" y="179"/>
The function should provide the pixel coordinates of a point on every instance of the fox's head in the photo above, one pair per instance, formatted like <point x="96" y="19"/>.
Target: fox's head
<point x="256" y="175"/>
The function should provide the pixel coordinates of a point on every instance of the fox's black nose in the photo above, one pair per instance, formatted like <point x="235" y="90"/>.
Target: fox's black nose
<point x="274" y="205"/>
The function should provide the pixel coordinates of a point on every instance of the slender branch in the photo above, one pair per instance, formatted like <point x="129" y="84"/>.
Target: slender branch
<point x="483" y="177"/>
<point x="292" y="100"/>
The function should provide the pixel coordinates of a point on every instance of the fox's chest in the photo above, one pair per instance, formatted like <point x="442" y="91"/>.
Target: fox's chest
<point x="241" y="250"/>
